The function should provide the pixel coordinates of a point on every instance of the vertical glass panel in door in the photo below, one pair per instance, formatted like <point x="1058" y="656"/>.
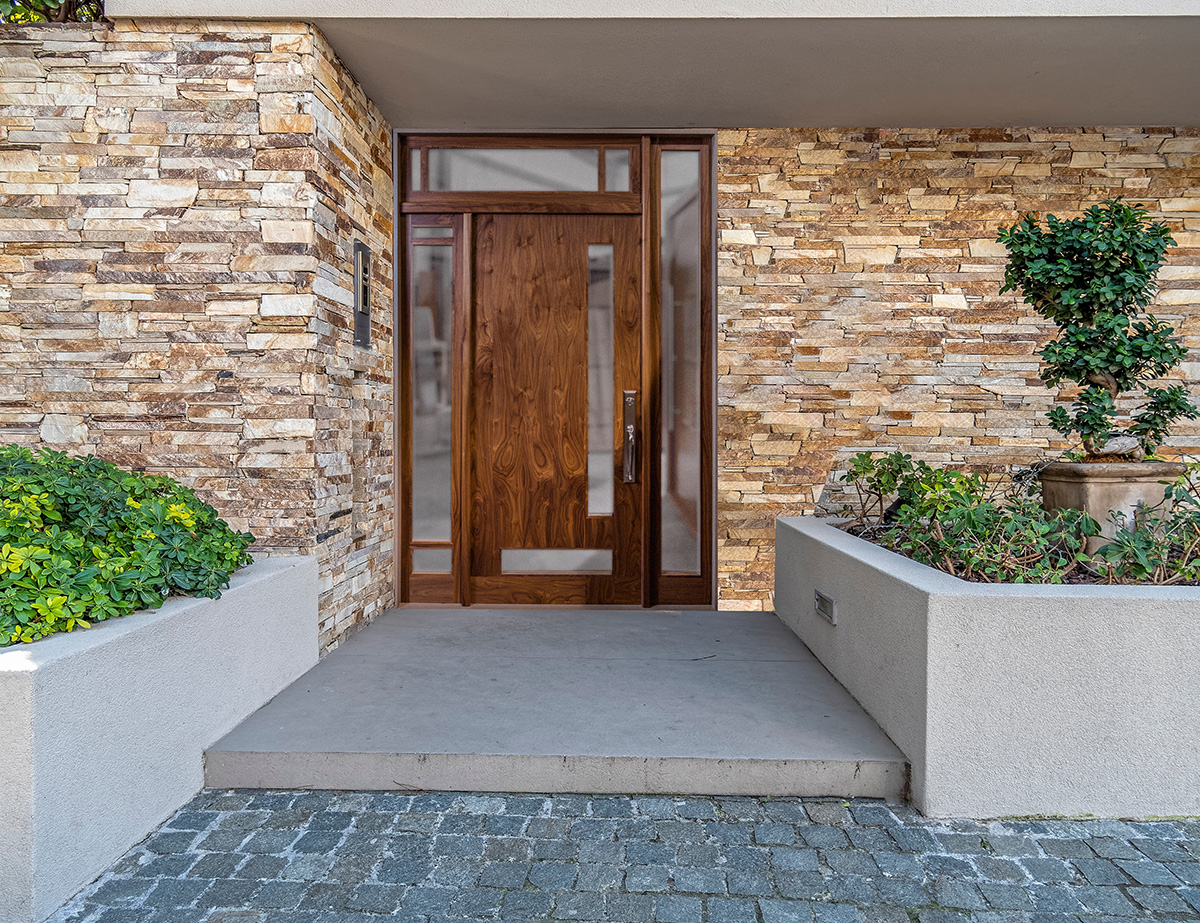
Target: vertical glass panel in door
<point x="600" y="380"/>
<point x="477" y="169"/>
<point x="432" y="289"/>
<point x="681" y="357"/>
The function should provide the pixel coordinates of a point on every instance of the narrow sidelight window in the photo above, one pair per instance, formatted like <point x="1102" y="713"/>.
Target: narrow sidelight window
<point x="431" y="301"/>
<point x="682" y="422"/>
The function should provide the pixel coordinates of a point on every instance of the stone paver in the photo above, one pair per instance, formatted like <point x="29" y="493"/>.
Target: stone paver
<point x="362" y="857"/>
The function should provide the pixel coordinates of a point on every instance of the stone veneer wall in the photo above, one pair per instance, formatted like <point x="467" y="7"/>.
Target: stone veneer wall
<point x="178" y="204"/>
<point x="859" y="303"/>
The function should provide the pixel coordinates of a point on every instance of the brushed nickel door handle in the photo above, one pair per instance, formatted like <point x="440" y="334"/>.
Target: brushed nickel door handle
<point x="629" y="424"/>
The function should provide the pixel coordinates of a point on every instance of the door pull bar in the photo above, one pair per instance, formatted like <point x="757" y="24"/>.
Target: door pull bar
<point x="629" y="426"/>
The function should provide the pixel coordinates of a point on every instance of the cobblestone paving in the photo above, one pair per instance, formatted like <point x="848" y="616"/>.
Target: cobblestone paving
<point x="363" y="857"/>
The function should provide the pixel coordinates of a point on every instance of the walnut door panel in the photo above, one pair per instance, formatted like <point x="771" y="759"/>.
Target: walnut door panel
<point x="529" y="428"/>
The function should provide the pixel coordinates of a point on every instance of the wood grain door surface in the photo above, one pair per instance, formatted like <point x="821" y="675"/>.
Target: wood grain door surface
<point x="528" y="427"/>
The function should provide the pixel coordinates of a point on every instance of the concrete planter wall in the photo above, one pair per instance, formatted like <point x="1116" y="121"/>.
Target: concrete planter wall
<point x="1006" y="699"/>
<point x="102" y="731"/>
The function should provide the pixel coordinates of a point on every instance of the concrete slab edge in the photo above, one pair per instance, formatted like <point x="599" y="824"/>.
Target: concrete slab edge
<point x="581" y="774"/>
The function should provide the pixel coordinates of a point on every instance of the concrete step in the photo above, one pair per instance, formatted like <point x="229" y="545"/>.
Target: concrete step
<point x="719" y="703"/>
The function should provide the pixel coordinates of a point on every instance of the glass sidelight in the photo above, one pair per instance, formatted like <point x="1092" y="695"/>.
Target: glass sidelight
<point x="430" y="275"/>
<point x="682" y="416"/>
<point x="431" y="307"/>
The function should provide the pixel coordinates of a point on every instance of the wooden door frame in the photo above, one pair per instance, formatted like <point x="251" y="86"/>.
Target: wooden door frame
<point x="703" y="139"/>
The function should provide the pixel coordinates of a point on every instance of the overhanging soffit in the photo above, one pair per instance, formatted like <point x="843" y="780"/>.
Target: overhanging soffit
<point x="527" y="64"/>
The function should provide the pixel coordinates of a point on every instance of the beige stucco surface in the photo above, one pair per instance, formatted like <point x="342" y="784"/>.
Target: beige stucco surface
<point x="102" y="731"/>
<point x="656" y="73"/>
<point x="653" y="9"/>
<point x="1007" y="700"/>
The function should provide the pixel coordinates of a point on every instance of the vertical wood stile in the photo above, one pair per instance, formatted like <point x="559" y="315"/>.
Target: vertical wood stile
<point x="463" y="325"/>
<point x="651" y="372"/>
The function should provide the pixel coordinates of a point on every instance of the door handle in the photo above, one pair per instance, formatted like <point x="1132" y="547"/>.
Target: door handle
<point x="629" y="427"/>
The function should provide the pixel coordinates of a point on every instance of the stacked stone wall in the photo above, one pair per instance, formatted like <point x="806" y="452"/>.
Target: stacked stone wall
<point x="860" y="309"/>
<point x="354" y="386"/>
<point x="178" y="207"/>
<point x="178" y="202"/>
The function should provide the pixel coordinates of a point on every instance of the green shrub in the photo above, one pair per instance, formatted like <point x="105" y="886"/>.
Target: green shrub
<point x="27" y="11"/>
<point x="954" y="521"/>
<point x="1094" y="276"/>
<point x="1162" y="544"/>
<point x="82" y="541"/>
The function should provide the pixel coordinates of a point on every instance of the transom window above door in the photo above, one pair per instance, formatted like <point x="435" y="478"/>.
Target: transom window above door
<point x="585" y="174"/>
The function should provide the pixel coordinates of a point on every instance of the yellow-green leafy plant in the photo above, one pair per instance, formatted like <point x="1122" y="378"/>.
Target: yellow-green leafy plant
<point x="18" y="12"/>
<point x="82" y="540"/>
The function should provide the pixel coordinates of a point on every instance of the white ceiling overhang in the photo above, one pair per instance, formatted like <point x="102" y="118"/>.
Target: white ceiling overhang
<point x="528" y="64"/>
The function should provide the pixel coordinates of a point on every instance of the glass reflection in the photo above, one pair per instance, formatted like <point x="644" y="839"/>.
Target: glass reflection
<point x="616" y="169"/>
<point x="556" y="560"/>
<point x="600" y="379"/>
<point x="681" y="356"/>
<point x="432" y="282"/>
<point x="432" y="560"/>
<point x="513" y="169"/>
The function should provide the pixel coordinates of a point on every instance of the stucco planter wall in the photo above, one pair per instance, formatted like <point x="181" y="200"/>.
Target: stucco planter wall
<point x="102" y="731"/>
<point x="1007" y="699"/>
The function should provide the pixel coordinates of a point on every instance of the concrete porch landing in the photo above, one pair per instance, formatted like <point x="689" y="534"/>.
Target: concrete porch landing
<point x="595" y="701"/>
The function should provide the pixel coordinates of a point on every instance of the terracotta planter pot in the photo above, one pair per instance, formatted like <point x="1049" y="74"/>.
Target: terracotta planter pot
<point x="1106" y="487"/>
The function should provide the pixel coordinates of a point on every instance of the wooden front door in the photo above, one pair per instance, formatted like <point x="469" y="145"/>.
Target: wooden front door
<point x="555" y="516"/>
<point x="555" y="408"/>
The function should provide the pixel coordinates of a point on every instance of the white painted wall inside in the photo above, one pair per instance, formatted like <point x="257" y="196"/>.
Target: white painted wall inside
<point x="112" y="722"/>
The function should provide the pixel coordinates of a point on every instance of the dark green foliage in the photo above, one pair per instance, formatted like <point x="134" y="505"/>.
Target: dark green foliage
<point x="958" y="523"/>
<point x="1091" y="276"/>
<point x="955" y="522"/>
<point x="82" y="540"/>
<point x="25" y="11"/>
<point x="1162" y="545"/>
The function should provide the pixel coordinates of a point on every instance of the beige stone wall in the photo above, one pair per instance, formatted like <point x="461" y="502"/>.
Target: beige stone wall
<point x="354" y="503"/>
<point x="178" y="201"/>
<point x="859" y="303"/>
<point x="178" y="205"/>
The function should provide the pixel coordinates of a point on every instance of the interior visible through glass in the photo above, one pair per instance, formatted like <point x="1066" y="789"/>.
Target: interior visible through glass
<point x="616" y="169"/>
<point x="556" y="560"/>
<point x="475" y="169"/>
<point x="681" y="356"/>
<point x="600" y="379"/>
<point x="432" y="288"/>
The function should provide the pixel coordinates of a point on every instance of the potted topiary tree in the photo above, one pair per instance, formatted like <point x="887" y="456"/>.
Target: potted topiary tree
<point x="1094" y="276"/>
